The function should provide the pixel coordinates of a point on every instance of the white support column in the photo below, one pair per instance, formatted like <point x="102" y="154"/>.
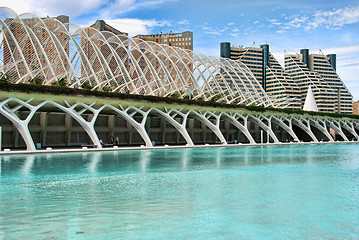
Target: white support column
<point x="336" y="126"/>
<point x="243" y="128"/>
<point x="320" y="124"/>
<point x="349" y="127"/>
<point x="288" y="129"/>
<point x="128" y="115"/>
<point x="265" y="127"/>
<point x="181" y="127"/>
<point x="21" y="125"/>
<point x="305" y="127"/>
<point x="88" y="126"/>
<point x="205" y="119"/>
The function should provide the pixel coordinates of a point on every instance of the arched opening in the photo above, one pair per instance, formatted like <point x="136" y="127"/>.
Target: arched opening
<point x="302" y="135"/>
<point x="281" y="134"/>
<point x="110" y="126"/>
<point x="258" y="133"/>
<point x="349" y="135"/>
<point x="231" y="133"/>
<point x="319" y="134"/>
<point x="200" y="133"/>
<point x="10" y="136"/>
<point x="162" y="132"/>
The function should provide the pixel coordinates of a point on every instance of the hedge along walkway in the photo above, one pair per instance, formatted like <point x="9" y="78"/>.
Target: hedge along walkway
<point x="58" y="94"/>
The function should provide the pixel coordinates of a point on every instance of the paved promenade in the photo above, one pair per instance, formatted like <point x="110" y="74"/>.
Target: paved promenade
<point x="85" y="149"/>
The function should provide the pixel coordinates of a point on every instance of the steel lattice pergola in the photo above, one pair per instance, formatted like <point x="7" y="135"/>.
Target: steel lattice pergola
<point x="45" y="48"/>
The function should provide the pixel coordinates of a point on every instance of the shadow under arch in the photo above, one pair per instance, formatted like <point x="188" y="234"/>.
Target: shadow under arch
<point x="173" y="120"/>
<point x="201" y="135"/>
<point x="132" y="116"/>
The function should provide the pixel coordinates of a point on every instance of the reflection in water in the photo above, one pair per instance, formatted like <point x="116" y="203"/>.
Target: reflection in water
<point x="145" y="160"/>
<point x="28" y="164"/>
<point x="95" y="158"/>
<point x="286" y="192"/>
<point x="218" y="158"/>
<point x="185" y="158"/>
<point x="49" y="157"/>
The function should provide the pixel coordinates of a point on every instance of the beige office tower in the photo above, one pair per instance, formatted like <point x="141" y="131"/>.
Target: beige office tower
<point x="318" y="71"/>
<point x="282" y="90"/>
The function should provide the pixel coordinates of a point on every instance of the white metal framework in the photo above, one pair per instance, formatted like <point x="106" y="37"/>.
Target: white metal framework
<point x="277" y="128"/>
<point x="83" y="57"/>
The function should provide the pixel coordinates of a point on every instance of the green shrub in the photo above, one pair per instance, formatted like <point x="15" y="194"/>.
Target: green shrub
<point x="36" y="81"/>
<point x="56" y="90"/>
<point x="86" y="85"/>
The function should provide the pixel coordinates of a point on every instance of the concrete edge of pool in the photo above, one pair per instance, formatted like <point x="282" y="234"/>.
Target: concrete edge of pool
<point x="71" y="150"/>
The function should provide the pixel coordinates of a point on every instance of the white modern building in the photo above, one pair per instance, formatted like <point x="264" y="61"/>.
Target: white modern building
<point x="102" y="60"/>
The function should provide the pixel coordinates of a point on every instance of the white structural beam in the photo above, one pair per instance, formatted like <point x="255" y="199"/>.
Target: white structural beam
<point x="305" y="126"/>
<point x="266" y="127"/>
<point x="288" y="128"/>
<point x="20" y="113"/>
<point x="214" y="127"/>
<point x="181" y="127"/>
<point x="320" y="124"/>
<point x="336" y="126"/>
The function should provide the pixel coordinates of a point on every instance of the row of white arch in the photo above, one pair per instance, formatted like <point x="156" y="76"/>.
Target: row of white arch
<point x="103" y="60"/>
<point x="210" y="119"/>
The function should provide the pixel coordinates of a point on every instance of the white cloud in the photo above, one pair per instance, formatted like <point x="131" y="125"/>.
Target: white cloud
<point x="332" y="19"/>
<point x="136" y="26"/>
<point x="256" y="22"/>
<point x="183" y="22"/>
<point x="344" y="50"/>
<point x="121" y="6"/>
<point x="213" y="33"/>
<point x="274" y="22"/>
<point x="52" y="8"/>
<point x="75" y="8"/>
<point x="335" y="18"/>
<point x="230" y="24"/>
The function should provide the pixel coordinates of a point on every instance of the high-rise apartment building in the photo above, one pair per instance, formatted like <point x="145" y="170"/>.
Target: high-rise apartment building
<point x="43" y="28"/>
<point x="319" y="72"/>
<point x="278" y="85"/>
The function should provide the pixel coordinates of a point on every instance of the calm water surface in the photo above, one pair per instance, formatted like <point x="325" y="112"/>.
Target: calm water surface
<point x="274" y="192"/>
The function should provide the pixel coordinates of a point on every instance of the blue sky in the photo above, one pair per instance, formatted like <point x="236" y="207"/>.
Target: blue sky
<point x="329" y="26"/>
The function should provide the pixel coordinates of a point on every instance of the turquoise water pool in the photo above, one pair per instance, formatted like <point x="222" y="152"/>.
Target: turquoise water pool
<point x="274" y="192"/>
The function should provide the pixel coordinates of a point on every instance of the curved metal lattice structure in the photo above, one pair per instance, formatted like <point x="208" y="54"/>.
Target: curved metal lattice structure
<point x="49" y="51"/>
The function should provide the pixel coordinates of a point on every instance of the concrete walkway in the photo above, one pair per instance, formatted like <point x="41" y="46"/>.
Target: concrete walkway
<point x="84" y="149"/>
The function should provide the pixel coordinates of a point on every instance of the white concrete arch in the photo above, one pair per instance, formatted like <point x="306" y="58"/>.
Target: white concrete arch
<point x="305" y="127"/>
<point x="140" y="127"/>
<point x="336" y="126"/>
<point x="214" y="128"/>
<point x="265" y="127"/>
<point x="320" y="124"/>
<point x="181" y="127"/>
<point x="287" y="128"/>
<point x="349" y="127"/>
<point x="243" y="128"/>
